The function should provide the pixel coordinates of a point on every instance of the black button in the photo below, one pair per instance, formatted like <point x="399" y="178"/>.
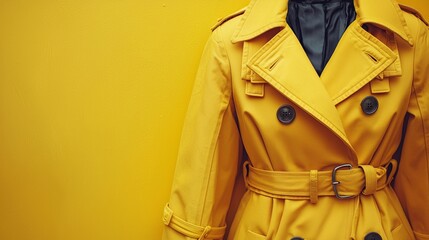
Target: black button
<point x="369" y="105"/>
<point x="297" y="238"/>
<point x="286" y="114"/>
<point x="373" y="236"/>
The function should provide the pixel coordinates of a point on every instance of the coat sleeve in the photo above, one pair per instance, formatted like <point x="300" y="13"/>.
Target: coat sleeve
<point x="209" y="153"/>
<point x="412" y="180"/>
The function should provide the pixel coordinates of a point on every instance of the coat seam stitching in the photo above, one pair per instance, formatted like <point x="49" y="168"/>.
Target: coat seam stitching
<point x="215" y="139"/>
<point x="425" y="131"/>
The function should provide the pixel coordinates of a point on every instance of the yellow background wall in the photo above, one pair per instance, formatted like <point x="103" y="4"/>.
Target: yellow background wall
<point x="92" y="99"/>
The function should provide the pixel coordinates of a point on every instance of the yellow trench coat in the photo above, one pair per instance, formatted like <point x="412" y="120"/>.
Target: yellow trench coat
<point x="258" y="101"/>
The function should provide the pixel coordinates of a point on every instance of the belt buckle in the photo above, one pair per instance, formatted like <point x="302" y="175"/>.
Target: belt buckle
<point x="335" y="183"/>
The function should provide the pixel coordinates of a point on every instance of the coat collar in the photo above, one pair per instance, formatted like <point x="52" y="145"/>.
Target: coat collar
<point x="263" y="15"/>
<point x="362" y="54"/>
<point x="283" y="64"/>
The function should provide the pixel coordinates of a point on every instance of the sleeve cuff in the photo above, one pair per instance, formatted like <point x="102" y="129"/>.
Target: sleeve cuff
<point x="189" y="229"/>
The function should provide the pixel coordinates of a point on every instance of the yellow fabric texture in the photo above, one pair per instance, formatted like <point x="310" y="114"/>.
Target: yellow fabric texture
<point x="252" y="65"/>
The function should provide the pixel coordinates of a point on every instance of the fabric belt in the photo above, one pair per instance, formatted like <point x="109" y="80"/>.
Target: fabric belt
<point x="342" y="182"/>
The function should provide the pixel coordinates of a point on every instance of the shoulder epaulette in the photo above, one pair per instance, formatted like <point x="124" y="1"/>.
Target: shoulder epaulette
<point x="220" y="21"/>
<point x="414" y="12"/>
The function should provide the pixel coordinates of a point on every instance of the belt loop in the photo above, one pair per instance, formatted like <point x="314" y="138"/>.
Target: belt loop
<point x="314" y="195"/>
<point x="370" y="179"/>
<point x="246" y="172"/>
<point x="168" y="214"/>
<point x="393" y="170"/>
<point x="205" y="233"/>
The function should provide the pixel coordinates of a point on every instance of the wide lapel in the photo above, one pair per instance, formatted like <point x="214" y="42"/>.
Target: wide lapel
<point x="283" y="63"/>
<point x="358" y="58"/>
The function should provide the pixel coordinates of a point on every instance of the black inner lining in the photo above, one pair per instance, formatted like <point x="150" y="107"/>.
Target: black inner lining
<point x="319" y="25"/>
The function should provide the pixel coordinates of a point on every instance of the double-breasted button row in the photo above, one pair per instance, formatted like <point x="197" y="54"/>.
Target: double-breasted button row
<point x="286" y="113"/>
